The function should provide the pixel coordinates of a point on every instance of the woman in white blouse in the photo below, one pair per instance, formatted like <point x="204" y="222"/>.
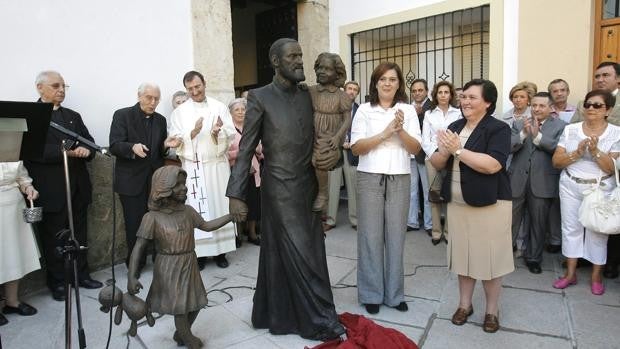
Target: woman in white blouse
<point x="384" y="134"/>
<point x="441" y="114"/>
<point x="586" y="151"/>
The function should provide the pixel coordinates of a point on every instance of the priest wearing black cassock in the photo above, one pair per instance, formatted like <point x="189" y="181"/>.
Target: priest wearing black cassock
<point x="293" y="293"/>
<point x="138" y="140"/>
<point x="48" y="177"/>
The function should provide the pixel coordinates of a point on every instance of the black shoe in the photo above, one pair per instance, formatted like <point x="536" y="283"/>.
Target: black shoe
<point x="436" y="241"/>
<point x="429" y="232"/>
<point x="610" y="271"/>
<point x="554" y="248"/>
<point x="372" y="308"/>
<point x="534" y="267"/>
<point x="3" y="320"/>
<point x="22" y="309"/>
<point x="221" y="261"/>
<point x="58" y="293"/>
<point x="202" y="261"/>
<point x="254" y="241"/>
<point x="90" y="283"/>
<point x="402" y="306"/>
<point x="409" y="228"/>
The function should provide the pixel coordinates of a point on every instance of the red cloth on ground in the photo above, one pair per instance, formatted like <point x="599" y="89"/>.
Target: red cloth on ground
<point x="363" y="333"/>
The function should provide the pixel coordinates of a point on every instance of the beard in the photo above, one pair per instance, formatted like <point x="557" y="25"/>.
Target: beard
<point x="294" y="74"/>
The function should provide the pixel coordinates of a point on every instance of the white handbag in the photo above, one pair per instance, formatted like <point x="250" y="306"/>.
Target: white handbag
<point x="600" y="211"/>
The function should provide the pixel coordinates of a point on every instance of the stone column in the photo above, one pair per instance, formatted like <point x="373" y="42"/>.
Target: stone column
<point x="312" y="32"/>
<point x="213" y="52"/>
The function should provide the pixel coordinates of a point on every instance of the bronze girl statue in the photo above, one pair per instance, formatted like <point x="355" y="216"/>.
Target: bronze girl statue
<point x="332" y="119"/>
<point x="177" y="287"/>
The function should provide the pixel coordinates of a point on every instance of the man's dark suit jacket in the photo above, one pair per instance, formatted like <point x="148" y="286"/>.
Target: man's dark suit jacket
<point x="421" y="156"/>
<point x="534" y="161"/>
<point x="353" y="159"/>
<point x="47" y="172"/>
<point x="491" y="137"/>
<point x="128" y="128"/>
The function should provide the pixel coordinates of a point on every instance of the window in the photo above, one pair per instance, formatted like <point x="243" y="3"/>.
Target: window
<point x="452" y="46"/>
<point x="611" y="9"/>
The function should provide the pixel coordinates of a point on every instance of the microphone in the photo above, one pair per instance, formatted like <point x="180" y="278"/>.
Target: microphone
<point x="78" y="138"/>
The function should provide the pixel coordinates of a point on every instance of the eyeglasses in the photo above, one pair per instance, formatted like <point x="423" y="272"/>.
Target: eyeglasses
<point x="587" y="105"/>
<point x="58" y="85"/>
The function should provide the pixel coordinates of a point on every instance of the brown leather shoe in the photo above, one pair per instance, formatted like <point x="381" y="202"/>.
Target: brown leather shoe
<point x="460" y="315"/>
<point x="491" y="323"/>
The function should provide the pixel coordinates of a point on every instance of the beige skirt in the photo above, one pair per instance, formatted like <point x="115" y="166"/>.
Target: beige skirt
<point x="479" y="243"/>
<point x="480" y="239"/>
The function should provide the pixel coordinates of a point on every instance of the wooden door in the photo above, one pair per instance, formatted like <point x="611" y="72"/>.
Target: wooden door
<point x="606" y="31"/>
<point x="610" y="45"/>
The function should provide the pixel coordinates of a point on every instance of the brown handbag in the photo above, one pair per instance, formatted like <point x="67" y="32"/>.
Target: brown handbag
<point x="434" y="195"/>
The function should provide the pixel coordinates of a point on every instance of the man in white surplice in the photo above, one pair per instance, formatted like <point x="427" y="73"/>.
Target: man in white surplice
<point x="206" y="127"/>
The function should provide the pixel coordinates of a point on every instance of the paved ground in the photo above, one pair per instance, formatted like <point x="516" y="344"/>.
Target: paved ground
<point x="532" y="313"/>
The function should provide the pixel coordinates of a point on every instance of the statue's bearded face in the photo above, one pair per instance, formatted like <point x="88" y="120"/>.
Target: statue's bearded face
<point x="290" y="63"/>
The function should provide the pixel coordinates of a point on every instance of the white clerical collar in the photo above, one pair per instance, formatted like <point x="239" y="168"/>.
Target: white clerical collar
<point x="204" y="102"/>
<point x="55" y="107"/>
<point x="615" y="92"/>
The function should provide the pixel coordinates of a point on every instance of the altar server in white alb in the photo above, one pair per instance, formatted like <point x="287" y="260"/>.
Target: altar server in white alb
<point x="206" y="128"/>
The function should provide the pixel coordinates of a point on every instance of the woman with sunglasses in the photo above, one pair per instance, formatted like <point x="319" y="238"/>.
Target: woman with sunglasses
<point x="585" y="152"/>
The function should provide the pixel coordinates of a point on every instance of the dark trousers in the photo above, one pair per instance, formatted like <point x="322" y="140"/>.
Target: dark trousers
<point x="613" y="250"/>
<point x="51" y="224"/>
<point x="134" y="208"/>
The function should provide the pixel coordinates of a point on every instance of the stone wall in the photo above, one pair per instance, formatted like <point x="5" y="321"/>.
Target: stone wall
<point x="100" y="217"/>
<point x="212" y="42"/>
<point x="312" y="33"/>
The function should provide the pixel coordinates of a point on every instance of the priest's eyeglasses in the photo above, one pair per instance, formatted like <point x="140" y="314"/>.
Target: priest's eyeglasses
<point x="58" y="85"/>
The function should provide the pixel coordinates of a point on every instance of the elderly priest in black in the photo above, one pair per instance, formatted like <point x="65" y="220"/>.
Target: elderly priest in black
<point x="48" y="177"/>
<point x="138" y="140"/>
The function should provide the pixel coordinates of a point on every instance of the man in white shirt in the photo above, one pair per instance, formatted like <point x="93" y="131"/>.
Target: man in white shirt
<point x="206" y="127"/>
<point x="421" y="103"/>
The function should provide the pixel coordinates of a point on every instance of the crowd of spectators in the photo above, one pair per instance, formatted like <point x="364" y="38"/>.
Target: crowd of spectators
<point x="502" y="182"/>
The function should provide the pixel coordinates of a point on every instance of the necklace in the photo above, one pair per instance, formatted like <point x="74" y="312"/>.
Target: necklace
<point x="594" y="131"/>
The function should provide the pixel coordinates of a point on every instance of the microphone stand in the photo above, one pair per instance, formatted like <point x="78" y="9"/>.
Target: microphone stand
<point x="72" y="247"/>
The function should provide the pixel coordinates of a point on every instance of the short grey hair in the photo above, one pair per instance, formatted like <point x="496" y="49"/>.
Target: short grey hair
<point x="236" y="101"/>
<point x="143" y="86"/>
<point x="44" y="75"/>
<point x="180" y="94"/>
